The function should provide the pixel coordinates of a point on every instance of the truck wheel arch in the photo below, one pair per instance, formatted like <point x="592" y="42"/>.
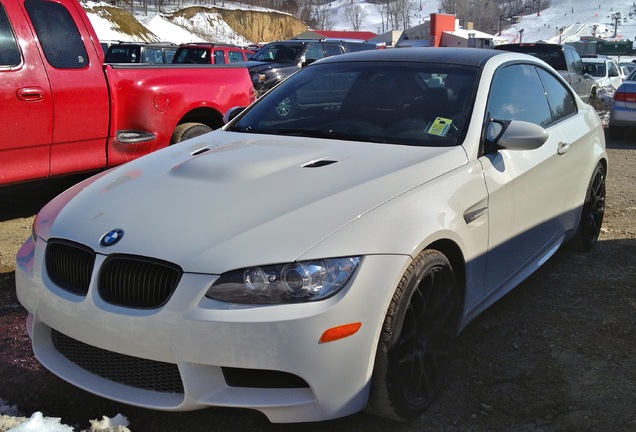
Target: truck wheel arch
<point x="195" y="123"/>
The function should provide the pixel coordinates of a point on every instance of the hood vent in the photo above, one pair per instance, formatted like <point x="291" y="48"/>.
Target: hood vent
<point x="200" y="151"/>
<point x="318" y="164"/>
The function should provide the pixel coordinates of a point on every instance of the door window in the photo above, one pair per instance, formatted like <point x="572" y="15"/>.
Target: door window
<point x="517" y="93"/>
<point x="219" y="57"/>
<point x="314" y="52"/>
<point x="9" y="53"/>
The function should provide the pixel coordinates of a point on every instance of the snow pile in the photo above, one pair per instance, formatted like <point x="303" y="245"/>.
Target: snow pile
<point x="10" y="421"/>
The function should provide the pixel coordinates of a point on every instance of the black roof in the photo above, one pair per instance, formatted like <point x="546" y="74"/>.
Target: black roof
<point x="459" y="56"/>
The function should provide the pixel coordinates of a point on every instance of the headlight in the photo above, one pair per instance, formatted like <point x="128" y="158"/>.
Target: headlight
<point x="296" y="282"/>
<point x="258" y="78"/>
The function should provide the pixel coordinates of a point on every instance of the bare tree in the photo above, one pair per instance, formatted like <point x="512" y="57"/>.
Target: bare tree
<point x="355" y="14"/>
<point x="324" y="17"/>
<point x="382" y="10"/>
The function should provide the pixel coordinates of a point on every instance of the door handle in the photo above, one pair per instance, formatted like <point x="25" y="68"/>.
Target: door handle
<point x="563" y="147"/>
<point x="30" y="94"/>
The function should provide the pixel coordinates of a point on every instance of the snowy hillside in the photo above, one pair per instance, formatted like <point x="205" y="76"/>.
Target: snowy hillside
<point x="576" y="17"/>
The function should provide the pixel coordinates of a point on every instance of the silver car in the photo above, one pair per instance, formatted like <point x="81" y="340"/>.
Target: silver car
<point x="623" y="109"/>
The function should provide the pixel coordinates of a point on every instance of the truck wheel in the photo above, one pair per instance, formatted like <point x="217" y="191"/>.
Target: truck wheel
<point x="186" y="131"/>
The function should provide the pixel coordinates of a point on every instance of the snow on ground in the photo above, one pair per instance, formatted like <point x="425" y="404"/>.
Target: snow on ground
<point x="11" y="421"/>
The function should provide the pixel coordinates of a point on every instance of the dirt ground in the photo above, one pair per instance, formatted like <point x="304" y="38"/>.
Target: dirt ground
<point x="556" y="354"/>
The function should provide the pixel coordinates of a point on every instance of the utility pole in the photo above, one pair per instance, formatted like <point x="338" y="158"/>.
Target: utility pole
<point x="616" y="17"/>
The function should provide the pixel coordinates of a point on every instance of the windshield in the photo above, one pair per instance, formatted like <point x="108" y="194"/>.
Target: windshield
<point x="400" y="103"/>
<point x="279" y="53"/>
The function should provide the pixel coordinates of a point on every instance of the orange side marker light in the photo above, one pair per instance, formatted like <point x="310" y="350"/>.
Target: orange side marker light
<point x="339" y="332"/>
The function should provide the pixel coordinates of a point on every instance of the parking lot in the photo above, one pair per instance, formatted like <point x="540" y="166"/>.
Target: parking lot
<point x="556" y="354"/>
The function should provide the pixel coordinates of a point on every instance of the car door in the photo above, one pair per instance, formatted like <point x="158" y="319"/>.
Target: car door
<point x="526" y="197"/>
<point x="614" y="74"/>
<point x="580" y="82"/>
<point x="26" y="113"/>
<point x="78" y="87"/>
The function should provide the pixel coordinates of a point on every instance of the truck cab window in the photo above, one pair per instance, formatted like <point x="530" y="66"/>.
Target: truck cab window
<point x="9" y="53"/>
<point x="58" y="34"/>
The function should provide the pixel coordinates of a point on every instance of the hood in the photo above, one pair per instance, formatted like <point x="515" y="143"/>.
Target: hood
<point x="258" y="66"/>
<point x="225" y="200"/>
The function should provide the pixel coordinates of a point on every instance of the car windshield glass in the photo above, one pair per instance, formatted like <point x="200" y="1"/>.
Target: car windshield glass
<point x="279" y="53"/>
<point x="400" y="103"/>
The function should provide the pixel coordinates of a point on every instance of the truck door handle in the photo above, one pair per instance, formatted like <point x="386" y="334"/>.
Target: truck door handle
<point x="30" y="94"/>
<point x="563" y="147"/>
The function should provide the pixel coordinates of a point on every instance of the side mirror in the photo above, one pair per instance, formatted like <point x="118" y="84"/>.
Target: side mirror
<point x="515" y="134"/>
<point x="231" y="113"/>
<point x="307" y="62"/>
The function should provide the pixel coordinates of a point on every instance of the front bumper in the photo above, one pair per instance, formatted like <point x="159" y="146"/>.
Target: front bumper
<point x="267" y="358"/>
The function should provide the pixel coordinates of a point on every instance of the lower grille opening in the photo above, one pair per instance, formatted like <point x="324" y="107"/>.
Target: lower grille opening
<point x="258" y="378"/>
<point x="127" y="370"/>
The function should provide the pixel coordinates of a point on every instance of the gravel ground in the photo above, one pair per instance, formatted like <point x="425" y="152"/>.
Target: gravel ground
<point x="556" y="354"/>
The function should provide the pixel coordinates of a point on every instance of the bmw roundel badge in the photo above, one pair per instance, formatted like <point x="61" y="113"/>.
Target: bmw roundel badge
<point x="111" y="237"/>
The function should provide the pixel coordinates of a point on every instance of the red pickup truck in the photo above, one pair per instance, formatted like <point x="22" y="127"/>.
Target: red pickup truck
<point x="64" y="111"/>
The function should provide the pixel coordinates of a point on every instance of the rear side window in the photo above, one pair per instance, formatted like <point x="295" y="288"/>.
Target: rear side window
<point x="560" y="99"/>
<point x="58" y="34"/>
<point x="517" y="93"/>
<point x="9" y="53"/>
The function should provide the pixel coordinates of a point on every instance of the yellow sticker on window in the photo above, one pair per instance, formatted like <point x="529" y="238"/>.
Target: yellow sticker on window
<point x="440" y="126"/>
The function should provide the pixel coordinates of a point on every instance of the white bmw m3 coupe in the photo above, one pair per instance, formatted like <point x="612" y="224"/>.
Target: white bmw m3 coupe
<point x="320" y="254"/>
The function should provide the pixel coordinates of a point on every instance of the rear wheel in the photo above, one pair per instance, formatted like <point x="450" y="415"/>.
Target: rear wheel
<point x="417" y="339"/>
<point x="592" y="212"/>
<point x="186" y="131"/>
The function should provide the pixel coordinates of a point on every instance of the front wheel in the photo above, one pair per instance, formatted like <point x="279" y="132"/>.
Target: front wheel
<point x="592" y="213"/>
<point x="417" y="339"/>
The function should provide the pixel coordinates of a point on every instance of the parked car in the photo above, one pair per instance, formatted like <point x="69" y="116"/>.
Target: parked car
<point x="624" y="72"/>
<point x="211" y="53"/>
<point x="623" y="108"/>
<point x="278" y="60"/>
<point x="312" y="266"/>
<point x="604" y="71"/>
<point x="105" y="44"/>
<point x="141" y="52"/>
<point x="629" y="65"/>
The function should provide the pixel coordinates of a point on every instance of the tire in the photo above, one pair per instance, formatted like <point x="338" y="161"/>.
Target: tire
<point x="417" y="340"/>
<point x="592" y="213"/>
<point x="186" y="131"/>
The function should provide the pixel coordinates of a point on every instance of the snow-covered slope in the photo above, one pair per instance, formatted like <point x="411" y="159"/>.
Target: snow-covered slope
<point x="576" y="17"/>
